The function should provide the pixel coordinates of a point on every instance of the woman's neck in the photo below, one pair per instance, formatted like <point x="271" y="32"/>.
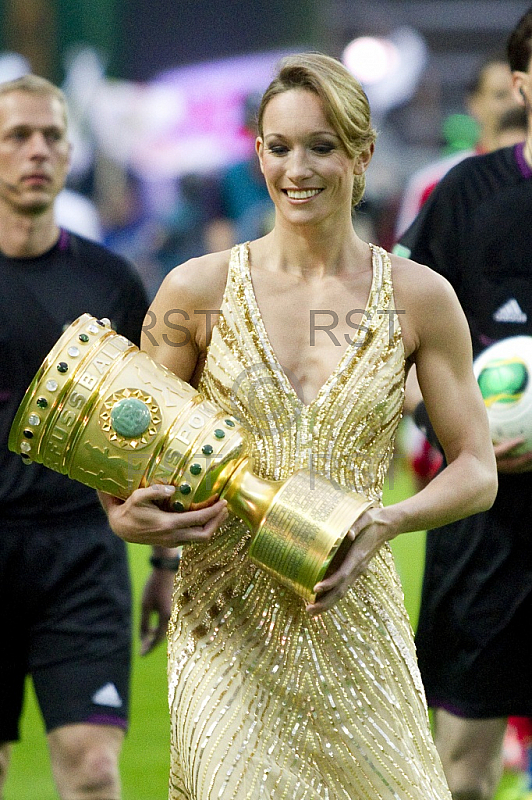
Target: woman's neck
<point x="310" y="252"/>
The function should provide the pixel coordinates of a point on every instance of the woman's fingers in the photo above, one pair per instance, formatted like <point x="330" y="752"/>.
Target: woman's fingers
<point x="144" y="519"/>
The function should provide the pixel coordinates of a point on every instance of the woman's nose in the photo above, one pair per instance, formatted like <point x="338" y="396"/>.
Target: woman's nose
<point x="298" y="165"/>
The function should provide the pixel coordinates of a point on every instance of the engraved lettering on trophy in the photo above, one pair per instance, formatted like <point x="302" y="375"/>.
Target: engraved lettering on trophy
<point x="111" y="351"/>
<point x="208" y="409"/>
<point x="101" y="364"/>
<point x="61" y="430"/>
<point x="121" y="343"/>
<point x="289" y="531"/>
<point x="53" y="448"/>
<point x="173" y="457"/>
<point x="77" y="400"/>
<point x="183" y="435"/>
<point x="163" y="471"/>
<point x="67" y="418"/>
<point x="194" y="423"/>
<point x="60" y="434"/>
<point x="88" y="381"/>
<point x="297" y="524"/>
<point x="167" y="466"/>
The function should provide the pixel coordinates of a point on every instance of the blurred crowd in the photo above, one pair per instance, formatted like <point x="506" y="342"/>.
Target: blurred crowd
<point x="158" y="193"/>
<point x="205" y="198"/>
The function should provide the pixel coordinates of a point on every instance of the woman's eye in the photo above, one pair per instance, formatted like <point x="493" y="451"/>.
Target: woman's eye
<point x="323" y="149"/>
<point x="277" y="149"/>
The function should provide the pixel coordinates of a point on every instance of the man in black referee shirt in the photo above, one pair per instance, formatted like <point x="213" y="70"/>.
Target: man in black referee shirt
<point x="473" y="639"/>
<point x="65" y="605"/>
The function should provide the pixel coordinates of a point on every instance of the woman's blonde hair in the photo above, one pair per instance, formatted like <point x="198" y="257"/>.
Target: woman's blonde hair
<point x="345" y="104"/>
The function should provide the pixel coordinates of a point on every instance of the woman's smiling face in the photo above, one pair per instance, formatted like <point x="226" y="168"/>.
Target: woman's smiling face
<point x="307" y="170"/>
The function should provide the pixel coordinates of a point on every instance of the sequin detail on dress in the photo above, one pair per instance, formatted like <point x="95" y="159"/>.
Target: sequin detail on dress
<point x="266" y="702"/>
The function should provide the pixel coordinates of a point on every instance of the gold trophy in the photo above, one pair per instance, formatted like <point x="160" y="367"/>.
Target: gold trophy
<point x="103" y="412"/>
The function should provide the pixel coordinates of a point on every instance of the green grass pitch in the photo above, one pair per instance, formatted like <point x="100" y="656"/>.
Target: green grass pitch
<point x="145" y="756"/>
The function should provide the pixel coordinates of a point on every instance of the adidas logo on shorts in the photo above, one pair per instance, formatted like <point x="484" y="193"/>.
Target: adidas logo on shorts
<point x="107" y="696"/>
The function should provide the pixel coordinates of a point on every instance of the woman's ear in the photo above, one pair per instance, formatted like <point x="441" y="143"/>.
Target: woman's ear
<point x="363" y="159"/>
<point x="259" y="149"/>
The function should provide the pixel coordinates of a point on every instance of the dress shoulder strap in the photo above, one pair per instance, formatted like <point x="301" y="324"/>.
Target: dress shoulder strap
<point x="382" y="270"/>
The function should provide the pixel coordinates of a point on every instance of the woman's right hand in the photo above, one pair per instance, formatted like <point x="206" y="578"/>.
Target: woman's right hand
<point x="141" y="520"/>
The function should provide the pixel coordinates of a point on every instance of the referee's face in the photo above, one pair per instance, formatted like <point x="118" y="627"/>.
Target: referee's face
<point x="34" y="151"/>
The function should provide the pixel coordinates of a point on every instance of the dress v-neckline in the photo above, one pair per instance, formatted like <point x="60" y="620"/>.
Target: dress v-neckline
<point x="267" y="347"/>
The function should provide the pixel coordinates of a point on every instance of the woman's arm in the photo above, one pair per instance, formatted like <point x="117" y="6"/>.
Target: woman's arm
<point x="437" y="339"/>
<point x="176" y="333"/>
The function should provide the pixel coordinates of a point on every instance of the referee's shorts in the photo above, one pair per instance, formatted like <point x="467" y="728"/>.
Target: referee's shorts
<point x="65" y="617"/>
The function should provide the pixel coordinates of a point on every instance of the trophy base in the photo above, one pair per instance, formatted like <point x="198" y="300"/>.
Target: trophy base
<point x="303" y="530"/>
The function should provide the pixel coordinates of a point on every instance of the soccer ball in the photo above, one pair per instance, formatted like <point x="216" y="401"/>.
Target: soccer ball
<point x="504" y="374"/>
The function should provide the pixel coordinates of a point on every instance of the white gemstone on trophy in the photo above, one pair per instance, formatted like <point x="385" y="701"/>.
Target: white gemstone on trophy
<point x="73" y="352"/>
<point x="34" y="419"/>
<point x="25" y="447"/>
<point x="93" y="329"/>
<point x="51" y="386"/>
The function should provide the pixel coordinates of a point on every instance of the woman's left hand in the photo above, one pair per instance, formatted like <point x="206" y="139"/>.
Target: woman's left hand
<point x="367" y="535"/>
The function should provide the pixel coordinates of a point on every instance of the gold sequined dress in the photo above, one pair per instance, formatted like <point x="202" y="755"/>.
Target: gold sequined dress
<point x="265" y="701"/>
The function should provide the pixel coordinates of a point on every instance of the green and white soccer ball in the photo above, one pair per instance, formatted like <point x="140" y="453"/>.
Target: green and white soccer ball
<point x="504" y="374"/>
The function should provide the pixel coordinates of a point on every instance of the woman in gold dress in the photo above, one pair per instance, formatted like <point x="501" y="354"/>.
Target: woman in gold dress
<point x="306" y="335"/>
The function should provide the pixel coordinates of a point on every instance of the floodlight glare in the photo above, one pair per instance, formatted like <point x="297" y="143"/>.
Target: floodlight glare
<point x="371" y="58"/>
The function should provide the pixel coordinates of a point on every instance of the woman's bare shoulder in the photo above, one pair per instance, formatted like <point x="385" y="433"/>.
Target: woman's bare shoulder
<point x="414" y="282"/>
<point x="426" y="302"/>
<point x="198" y="283"/>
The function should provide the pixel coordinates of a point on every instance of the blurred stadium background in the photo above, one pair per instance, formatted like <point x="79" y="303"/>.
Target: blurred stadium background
<point x="161" y="96"/>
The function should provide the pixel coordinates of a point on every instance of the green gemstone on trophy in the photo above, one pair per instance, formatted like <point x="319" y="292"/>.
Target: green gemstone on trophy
<point x="219" y="433"/>
<point x="195" y="469"/>
<point x="130" y="417"/>
<point x="42" y="402"/>
<point x="229" y="423"/>
<point x="83" y="338"/>
<point x="177" y="506"/>
<point x="207" y="450"/>
<point x="503" y="381"/>
<point x="185" y="488"/>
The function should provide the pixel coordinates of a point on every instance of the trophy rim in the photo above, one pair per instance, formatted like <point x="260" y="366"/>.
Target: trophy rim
<point x="14" y="432"/>
<point x="341" y="539"/>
